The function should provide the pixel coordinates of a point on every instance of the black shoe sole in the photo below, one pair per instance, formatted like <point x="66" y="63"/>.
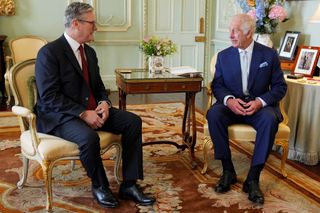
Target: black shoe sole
<point x="123" y="197"/>
<point x="226" y="189"/>
<point x="105" y="205"/>
<point x="259" y="200"/>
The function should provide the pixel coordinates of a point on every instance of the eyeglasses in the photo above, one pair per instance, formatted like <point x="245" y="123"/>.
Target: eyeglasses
<point x="90" y="22"/>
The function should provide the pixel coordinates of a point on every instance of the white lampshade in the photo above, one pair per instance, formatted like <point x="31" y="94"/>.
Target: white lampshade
<point x="316" y="17"/>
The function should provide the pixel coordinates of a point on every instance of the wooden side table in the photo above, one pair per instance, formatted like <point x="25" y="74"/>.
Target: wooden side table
<point x="2" y="65"/>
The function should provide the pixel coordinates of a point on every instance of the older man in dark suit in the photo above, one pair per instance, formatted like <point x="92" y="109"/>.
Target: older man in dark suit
<point x="72" y="104"/>
<point x="248" y="85"/>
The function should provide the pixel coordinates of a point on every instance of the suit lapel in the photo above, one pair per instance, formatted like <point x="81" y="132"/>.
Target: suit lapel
<point x="71" y="57"/>
<point x="236" y="67"/>
<point x="254" y="66"/>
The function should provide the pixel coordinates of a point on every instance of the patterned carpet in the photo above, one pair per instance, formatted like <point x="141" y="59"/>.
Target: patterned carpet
<point x="168" y="176"/>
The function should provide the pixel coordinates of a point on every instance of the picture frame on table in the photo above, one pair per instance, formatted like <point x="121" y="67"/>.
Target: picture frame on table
<point x="289" y="44"/>
<point x="306" y="61"/>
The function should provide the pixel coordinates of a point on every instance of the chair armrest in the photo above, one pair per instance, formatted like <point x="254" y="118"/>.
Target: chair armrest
<point x="209" y="93"/>
<point x="8" y="59"/>
<point x="31" y="117"/>
<point x="21" y="111"/>
<point x="284" y="114"/>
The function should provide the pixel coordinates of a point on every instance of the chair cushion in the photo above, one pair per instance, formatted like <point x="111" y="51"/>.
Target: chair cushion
<point x="243" y="132"/>
<point x="107" y="138"/>
<point x="52" y="147"/>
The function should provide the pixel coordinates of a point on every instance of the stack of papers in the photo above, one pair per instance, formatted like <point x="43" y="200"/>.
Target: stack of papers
<point x="184" y="70"/>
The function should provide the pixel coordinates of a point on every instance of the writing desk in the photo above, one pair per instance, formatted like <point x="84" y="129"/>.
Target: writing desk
<point x="301" y="103"/>
<point x="139" y="81"/>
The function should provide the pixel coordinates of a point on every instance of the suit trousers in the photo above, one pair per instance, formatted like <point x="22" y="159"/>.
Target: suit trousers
<point x="118" y="122"/>
<point x="264" y="121"/>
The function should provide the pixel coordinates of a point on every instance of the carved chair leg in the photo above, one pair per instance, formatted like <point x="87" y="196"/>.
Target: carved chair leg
<point x="206" y="147"/>
<point x="284" y="146"/>
<point x="47" y="174"/>
<point x="73" y="164"/>
<point x="285" y="150"/>
<point x="118" y="157"/>
<point x="25" y="168"/>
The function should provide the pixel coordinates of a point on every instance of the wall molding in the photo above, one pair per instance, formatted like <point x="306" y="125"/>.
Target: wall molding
<point x="111" y="23"/>
<point x="115" y="42"/>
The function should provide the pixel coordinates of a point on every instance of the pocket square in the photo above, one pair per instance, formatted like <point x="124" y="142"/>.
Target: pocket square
<point x="264" y="64"/>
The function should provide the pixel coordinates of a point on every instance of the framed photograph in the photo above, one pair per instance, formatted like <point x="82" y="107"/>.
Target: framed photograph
<point x="306" y="61"/>
<point x="289" y="45"/>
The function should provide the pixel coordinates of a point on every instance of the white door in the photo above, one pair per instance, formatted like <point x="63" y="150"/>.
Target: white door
<point x="183" y="22"/>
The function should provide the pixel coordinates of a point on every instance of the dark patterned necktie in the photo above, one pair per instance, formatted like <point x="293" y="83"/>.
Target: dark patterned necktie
<point x="91" y="102"/>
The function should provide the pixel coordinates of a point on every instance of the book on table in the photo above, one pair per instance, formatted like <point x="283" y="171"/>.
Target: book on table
<point x="184" y="70"/>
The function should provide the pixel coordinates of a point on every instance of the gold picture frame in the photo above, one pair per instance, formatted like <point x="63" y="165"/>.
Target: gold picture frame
<point x="7" y="8"/>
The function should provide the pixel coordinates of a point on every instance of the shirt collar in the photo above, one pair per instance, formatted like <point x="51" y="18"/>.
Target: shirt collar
<point x="73" y="43"/>
<point x="249" y="49"/>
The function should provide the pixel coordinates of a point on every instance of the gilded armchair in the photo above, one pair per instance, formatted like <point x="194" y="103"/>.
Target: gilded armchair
<point x="46" y="149"/>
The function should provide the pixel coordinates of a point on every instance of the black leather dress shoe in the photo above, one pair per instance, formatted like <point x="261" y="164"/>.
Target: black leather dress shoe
<point x="226" y="180"/>
<point x="255" y="194"/>
<point x="104" y="197"/>
<point x="133" y="193"/>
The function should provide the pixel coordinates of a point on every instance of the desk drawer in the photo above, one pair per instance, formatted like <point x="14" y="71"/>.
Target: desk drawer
<point x="163" y="87"/>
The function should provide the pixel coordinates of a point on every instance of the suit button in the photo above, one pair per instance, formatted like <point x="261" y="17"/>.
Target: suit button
<point x="87" y="98"/>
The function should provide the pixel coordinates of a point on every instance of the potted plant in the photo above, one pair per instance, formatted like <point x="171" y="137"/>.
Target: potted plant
<point x="155" y="50"/>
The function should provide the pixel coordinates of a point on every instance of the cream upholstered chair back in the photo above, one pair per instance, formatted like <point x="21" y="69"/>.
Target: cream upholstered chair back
<point x="23" y="87"/>
<point x="22" y="48"/>
<point x="244" y="132"/>
<point x="25" y="47"/>
<point x="46" y="149"/>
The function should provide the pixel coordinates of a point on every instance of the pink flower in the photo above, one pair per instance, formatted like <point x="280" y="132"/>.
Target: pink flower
<point x="252" y="13"/>
<point x="277" y="12"/>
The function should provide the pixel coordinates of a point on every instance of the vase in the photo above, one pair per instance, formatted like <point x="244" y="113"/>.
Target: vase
<point x="155" y="64"/>
<point x="264" y="39"/>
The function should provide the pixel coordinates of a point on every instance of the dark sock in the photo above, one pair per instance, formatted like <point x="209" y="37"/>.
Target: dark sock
<point x="99" y="177"/>
<point x="228" y="165"/>
<point x="254" y="172"/>
<point x="128" y="183"/>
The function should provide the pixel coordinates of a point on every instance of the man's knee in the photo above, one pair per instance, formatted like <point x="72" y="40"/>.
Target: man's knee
<point x="216" y="113"/>
<point x="269" y="118"/>
<point x="91" y="140"/>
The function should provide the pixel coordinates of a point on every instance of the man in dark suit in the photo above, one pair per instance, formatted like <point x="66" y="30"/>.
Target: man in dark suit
<point x="248" y="85"/>
<point x="72" y="103"/>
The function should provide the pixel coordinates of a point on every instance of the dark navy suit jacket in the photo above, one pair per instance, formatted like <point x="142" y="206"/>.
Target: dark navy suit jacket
<point x="265" y="76"/>
<point x="62" y="91"/>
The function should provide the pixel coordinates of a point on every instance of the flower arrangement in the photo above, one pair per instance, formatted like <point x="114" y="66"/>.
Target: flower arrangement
<point x="153" y="46"/>
<point x="267" y="13"/>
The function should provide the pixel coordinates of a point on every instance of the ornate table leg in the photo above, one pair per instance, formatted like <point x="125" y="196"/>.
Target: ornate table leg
<point x="122" y="99"/>
<point x="189" y="123"/>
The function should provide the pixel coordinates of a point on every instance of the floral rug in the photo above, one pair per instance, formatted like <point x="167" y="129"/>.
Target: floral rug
<point x="168" y="176"/>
